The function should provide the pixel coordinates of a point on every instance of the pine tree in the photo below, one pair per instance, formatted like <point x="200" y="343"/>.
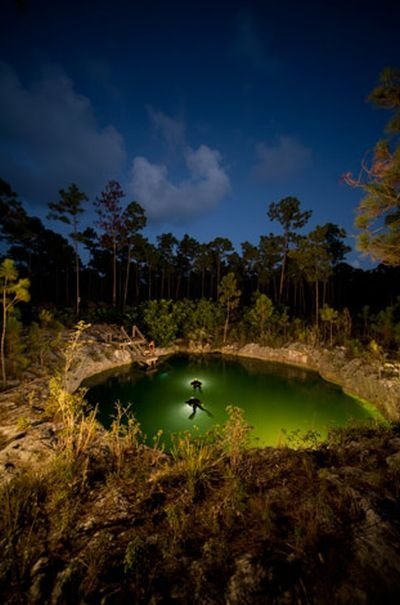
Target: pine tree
<point x="260" y="314"/>
<point x="110" y="213"/>
<point x="67" y="210"/>
<point x="13" y="291"/>
<point x="133" y="220"/>
<point x="229" y="296"/>
<point x="287" y="212"/>
<point x="378" y="213"/>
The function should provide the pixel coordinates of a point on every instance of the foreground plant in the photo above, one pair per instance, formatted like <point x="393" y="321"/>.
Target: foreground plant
<point x="290" y="526"/>
<point x="78" y="426"/>
<point x="13" y="291"/>
<point x="236" y="435"/>
<point x="196" y="457"/>
<point x="124" y="435"/>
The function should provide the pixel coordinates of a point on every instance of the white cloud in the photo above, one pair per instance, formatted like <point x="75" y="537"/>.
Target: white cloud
<point x="206" y="185"/>
<point x="285" y="159"/>
<point x="51" y="138"/>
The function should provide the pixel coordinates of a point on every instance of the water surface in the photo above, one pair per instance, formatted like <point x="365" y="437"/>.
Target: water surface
<point x="277" y="399"/>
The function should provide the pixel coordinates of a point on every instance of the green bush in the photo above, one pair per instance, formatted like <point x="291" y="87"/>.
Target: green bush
<point x="160" y="321"/>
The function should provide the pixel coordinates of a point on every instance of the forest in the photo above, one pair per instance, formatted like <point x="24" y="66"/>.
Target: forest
<point x="294" y="285"/>
<point x="91" y="515"/>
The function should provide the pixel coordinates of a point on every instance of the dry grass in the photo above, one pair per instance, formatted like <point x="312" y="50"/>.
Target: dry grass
<point x="211" y="522"/>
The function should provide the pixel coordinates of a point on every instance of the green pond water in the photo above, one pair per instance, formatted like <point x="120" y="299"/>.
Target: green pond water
<point x="277" y="399"/>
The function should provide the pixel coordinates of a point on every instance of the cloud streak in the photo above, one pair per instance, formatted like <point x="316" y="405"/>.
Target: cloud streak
<point x="287" y="158"/>
<point x="51" y="138"/>
<point x="207" y="184"/>
<point x="249" y="48"/>
<point x="170" y="130"/>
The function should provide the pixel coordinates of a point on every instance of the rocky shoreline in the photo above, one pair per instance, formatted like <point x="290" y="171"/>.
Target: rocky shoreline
<point x="358" y="377"/>
<point x="272" y="523"/>
<point x="361" y="377"/>
<point x="27" y="434"/>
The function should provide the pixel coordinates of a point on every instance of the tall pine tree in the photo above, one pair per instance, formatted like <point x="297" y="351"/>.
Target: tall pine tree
<point x="378" y="213"/>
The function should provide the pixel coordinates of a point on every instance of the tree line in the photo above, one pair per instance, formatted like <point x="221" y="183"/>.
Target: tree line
<point x="202" y="324"/>
<point x="300" y="271"/>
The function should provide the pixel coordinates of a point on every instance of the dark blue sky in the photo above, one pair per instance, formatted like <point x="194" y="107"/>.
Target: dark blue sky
<point x="204" y="111"/>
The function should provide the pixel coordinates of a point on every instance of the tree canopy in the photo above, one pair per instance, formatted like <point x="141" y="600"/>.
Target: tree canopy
<point x="378" y="213"/>
<point x="287" y="212"/>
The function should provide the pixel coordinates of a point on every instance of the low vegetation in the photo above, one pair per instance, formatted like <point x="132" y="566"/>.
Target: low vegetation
<point x="105" y="518"/>
<point x="111" y="520"/>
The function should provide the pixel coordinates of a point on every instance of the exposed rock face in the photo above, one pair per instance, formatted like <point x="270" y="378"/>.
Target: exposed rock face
<point x="356" y="376"/>
<point x="27" y="436"/>
<point x="292" y="354"/>
<point x="102" y="348"/>
<point x="94" y="360"/>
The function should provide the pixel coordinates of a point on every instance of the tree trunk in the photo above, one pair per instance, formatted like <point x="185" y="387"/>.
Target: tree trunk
<point x="3" y="337"/>
<point x="316" y="302"/>
<point x="283" y="269"/>
<point x="275" y="288"/>
<point x="302" y="297"/>
<point x="218" y="277"/>
<point x="137" y="281"/>
<point x="162" y="283"/>
<point x="226" y="324"/>
<point x="128" y="270"/>
<point x="114" y="290"/>
<point x="211" y="284"/>
<point x="149" y="284"/>
<point x="78" y="294"/>
<point x="324" y="293"/>
<point x="67" y="301"/>
<point x="77" y="276"/>
<point x="169" y="285"/>
<point x="178" y="286"/>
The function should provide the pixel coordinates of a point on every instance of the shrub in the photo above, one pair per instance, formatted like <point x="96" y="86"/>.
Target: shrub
<point x="160" y="321"/>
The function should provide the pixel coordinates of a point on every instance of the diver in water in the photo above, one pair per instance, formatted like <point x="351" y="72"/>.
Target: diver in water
<point x="196" y="384"/>
<point x="196" y="403"/>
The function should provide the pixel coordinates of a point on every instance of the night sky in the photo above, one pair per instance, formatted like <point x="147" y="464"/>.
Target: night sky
<point x="204" y="111"/>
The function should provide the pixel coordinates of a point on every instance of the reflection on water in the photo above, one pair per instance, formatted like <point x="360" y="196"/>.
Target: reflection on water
<point x="276" y="398"/>
<point x="257" y="366"/>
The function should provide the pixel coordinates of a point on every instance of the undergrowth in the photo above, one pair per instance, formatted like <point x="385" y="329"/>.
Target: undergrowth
<point x="210" y="522"/>
<point x="110" y="520"/>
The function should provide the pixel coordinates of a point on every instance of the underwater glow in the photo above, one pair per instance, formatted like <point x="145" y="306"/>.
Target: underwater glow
<point x="280" y="402"/>
<point x="183" y="410"/>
